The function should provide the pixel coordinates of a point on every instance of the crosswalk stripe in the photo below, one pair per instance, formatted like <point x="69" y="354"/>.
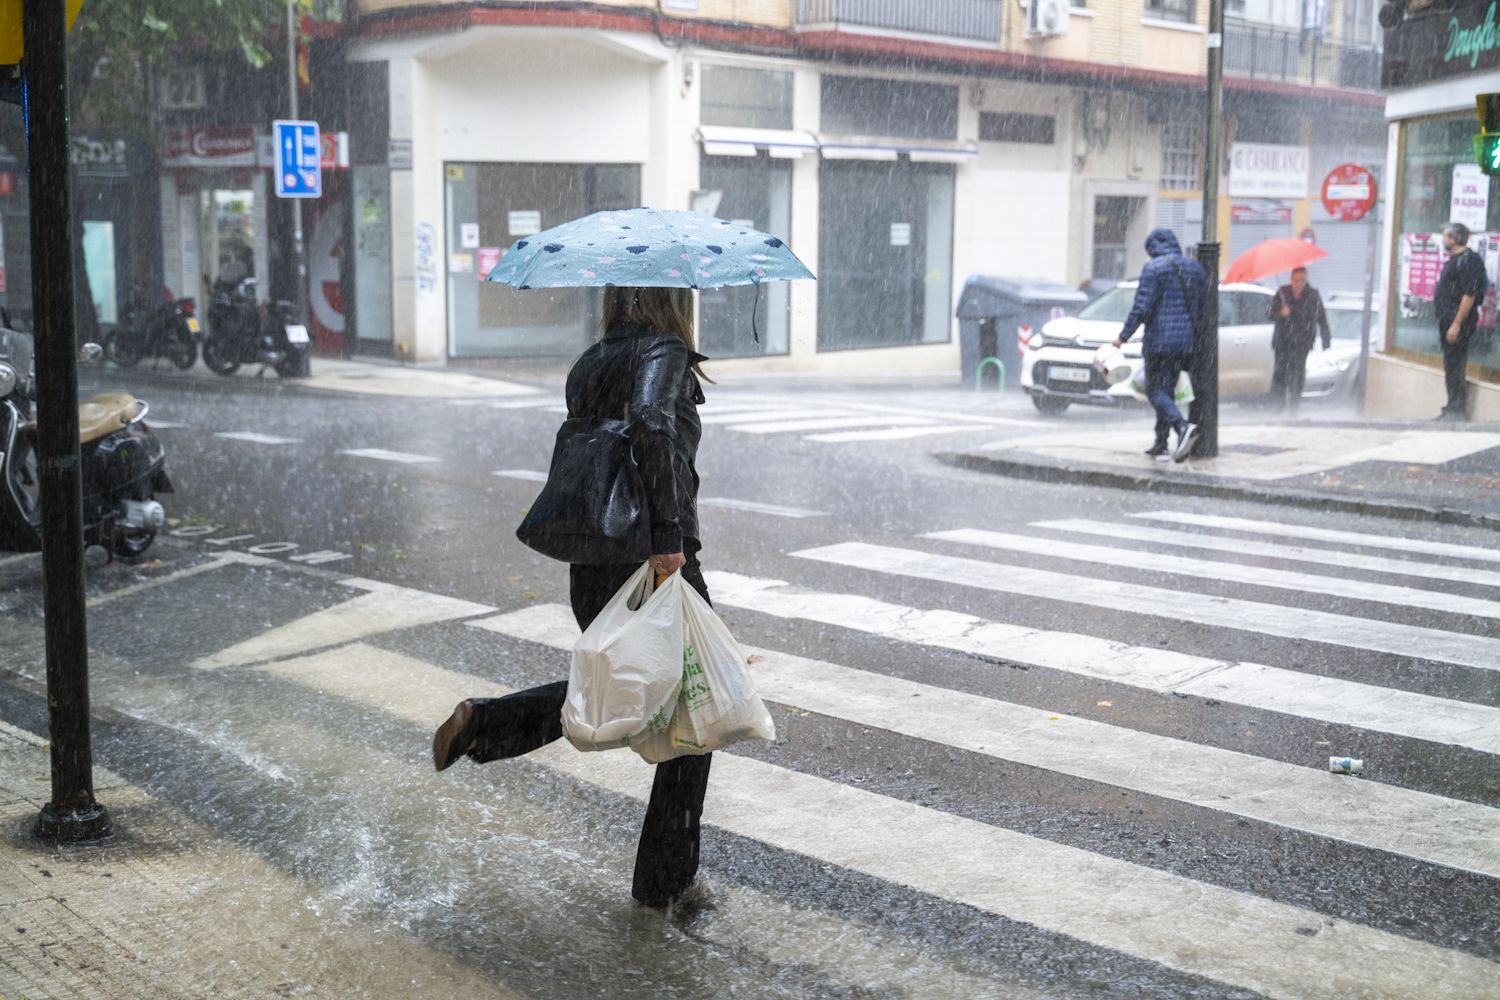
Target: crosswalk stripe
<point x="528" y="475"/>
<point x="1206" y="569"/>
<point x="1275" y="550"/>
<point x="21" y="557"/>
<point x="382" y="608"/>
<point x="1361" y="538"/>
<point x="828" y="424"/>
<point x="1381" y="817"/>
<point x="894" y="433"/>
<point x="254" y="437"/>
<point x="1288" y="622"/>
<point x="381" y="454"/>
<point x="221" y="560"/>
<point x="1255" y="685"/>
<point x="1194" y="927"/>
<point x="770" y="414"/>
<point x="166" y="425"/>
<point x="752" y="507"/>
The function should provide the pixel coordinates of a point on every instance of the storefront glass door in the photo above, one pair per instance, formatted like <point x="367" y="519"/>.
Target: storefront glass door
<point x="886" y="254"/>
<point x="490" y="206"/>
<point x="757" y="192"/>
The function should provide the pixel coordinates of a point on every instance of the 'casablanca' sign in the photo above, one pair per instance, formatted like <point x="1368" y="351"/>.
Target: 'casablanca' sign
<point x="1258" y="170"/>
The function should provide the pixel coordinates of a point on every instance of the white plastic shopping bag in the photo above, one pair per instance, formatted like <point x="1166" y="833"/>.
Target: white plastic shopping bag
<point x="1183" y="393"/>
<point x="627" y="665"/>
<point x="717" y="704"/>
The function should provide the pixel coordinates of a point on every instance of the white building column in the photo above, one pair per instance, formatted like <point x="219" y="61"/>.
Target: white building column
<point x="804" y="235"/>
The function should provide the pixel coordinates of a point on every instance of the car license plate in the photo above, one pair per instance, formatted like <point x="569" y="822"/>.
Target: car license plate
<point x="192" y="322"/>
<point x="296" y="334"/>
<point x="1070" y="374"/>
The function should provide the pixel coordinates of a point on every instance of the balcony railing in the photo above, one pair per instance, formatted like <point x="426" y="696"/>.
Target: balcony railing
<point x="1289" y="56"/>
<point x="970" y="20"/>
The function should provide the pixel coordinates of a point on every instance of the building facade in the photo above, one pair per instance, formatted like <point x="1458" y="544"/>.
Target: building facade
<point x="1436" y="61"/>
<point x="898" y="147"/>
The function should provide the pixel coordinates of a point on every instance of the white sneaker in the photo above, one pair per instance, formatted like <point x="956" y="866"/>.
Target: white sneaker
<point x="1186" y="438"/>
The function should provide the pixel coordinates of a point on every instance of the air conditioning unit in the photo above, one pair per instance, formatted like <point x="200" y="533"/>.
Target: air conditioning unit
<point x="1047" y="17"/>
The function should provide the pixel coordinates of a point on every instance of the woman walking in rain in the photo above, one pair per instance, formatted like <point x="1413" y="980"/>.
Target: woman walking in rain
<point x="644" y="365"/>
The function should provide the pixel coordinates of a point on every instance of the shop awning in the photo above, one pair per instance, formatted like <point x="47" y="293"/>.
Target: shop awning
<point x="721" y="140"/>
<point x="845" y="147"/>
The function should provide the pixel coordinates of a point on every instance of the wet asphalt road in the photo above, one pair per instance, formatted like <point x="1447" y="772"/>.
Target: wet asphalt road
<point x="522" y="869"/>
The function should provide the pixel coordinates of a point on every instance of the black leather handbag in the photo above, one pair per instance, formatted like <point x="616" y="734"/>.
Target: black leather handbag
<point x="592" y="510"/>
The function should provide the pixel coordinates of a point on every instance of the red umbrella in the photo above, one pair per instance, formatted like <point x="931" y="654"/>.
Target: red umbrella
<point x="1273" y="257"/>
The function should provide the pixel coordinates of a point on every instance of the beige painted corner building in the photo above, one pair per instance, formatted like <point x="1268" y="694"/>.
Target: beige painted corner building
<point x="899" y="147"/>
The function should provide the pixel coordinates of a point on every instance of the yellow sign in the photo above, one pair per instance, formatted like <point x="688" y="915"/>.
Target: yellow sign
<point x="11" y="41"/>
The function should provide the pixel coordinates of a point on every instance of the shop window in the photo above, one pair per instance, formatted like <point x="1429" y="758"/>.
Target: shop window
<point x="1040" y="130"/>
<point x="1172" y="10"/>
<point x="1436" y="153"/>
<point x="746" y="98"/>
<point x="857" y="105"/>
<point x="490" y="206"/>
<point x="886" y="254"/>
<point x="757" y="192"/>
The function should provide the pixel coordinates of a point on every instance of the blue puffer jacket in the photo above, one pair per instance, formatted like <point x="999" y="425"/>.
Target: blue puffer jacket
<point x="1159" y="300"/>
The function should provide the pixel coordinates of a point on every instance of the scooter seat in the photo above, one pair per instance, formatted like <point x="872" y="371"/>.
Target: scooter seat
<point x="103" y="414"/>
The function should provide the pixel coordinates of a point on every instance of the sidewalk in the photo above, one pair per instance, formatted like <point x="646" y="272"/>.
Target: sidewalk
<point x="1435" y="472"/>
<point x="171" y="909"/>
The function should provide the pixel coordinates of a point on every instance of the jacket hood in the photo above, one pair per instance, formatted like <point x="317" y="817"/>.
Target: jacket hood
<point x="1162" y="242"/>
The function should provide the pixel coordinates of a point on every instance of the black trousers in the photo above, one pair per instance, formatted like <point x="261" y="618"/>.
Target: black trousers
<point x="1162" y="372"/>
<point x="666" y="859"/>
<point x="1288" y="376"/>
<point x="1455" y="368"/>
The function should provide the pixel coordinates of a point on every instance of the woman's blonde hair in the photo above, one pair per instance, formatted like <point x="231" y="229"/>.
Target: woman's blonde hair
<point x="669" y="310"/>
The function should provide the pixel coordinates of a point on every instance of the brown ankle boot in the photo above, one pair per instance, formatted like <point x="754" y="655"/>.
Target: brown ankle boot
<point x="454" y="737"/>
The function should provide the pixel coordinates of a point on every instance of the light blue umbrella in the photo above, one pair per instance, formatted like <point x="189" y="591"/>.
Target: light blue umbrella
<point x="645" y="247"/>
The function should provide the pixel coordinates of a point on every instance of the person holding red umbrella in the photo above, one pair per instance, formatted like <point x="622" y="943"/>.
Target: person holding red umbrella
<point x="1297" y="310"/>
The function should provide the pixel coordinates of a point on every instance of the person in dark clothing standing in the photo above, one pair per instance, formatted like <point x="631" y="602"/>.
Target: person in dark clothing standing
<point x="1297" y="310"/>
<point x="644" y="365"/>
<point x="1460" y="290"/>
<point x="1168" y="301"/>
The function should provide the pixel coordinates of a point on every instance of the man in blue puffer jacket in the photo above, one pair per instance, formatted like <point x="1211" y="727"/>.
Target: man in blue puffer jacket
<point x="1169" y="298"/>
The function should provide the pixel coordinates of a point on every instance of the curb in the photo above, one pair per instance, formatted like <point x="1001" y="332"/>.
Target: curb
<point x="1199" y="486"/>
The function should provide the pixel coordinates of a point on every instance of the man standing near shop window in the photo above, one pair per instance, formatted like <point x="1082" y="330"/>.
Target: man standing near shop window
<point x="1460" y="289"/>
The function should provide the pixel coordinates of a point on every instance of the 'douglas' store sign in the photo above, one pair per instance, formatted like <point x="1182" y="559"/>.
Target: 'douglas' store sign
<point x="1442" y="44"/>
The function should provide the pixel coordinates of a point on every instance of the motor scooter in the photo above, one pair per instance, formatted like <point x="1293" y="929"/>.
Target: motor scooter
<point x="171" y="330"/>
<point x="241" y="333"/>
<point x="123" y="463"/>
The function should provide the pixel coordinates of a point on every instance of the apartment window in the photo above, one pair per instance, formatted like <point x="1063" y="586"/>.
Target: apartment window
<point x="1182" y="153"/>
<point x="857" y="105"/>
<point x="1234" y="8"/>
<point x="1359" y="23"/>
<point x="746" y="98"/>
<point x="1172" y="10"/>
<point x="1039" y="130"/>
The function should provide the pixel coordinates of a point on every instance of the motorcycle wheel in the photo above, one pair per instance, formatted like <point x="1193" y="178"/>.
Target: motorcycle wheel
<point x="182" y="350"/>
<point x="20" y="518"/>
<point x="121" y="349"/>
<point x="129" y="543"/>
<point x="219" y="356"/>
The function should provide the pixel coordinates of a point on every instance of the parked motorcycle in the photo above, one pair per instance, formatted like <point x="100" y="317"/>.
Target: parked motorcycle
<point x="240" y="332"/>
<point x="123" y="463"/>
<point x="170" y="331"/>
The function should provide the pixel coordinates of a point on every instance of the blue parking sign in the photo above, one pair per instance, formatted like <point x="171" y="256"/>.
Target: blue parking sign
<point x="299" y="164"/>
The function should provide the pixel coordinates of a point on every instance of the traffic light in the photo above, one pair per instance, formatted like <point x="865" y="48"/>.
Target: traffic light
<point x="1487" y="142"/>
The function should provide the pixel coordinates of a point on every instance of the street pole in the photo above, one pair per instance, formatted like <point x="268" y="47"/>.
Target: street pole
<point x="1372" y="256"/>
<point x="1205" y="367"/>
<point x="72" y="814"/>
<point x="299" y="252"/>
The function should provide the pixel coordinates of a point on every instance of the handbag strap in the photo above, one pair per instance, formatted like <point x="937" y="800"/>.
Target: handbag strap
<point x="1187" y="304"/>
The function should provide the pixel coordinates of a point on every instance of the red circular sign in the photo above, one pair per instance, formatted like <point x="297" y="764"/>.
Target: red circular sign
<point x="1348" y="192"/>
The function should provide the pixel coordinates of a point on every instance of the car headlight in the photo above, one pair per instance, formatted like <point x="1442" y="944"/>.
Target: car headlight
<point x="8" y="379"/>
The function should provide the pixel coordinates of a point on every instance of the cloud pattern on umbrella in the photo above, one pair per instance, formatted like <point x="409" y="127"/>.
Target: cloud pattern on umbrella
<point x="648" y="248"/>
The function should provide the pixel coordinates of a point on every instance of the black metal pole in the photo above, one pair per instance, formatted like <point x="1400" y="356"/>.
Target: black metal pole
<point x="1205" y="368"/>
<point x="72" y="814"/>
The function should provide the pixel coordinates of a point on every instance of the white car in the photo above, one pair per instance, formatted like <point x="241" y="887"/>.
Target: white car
<point x="1331" y="374"/>
<point x="1057" y="363"/>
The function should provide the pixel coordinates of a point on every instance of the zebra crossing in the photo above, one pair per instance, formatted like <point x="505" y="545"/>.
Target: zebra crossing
<point x="1278" y="934"/>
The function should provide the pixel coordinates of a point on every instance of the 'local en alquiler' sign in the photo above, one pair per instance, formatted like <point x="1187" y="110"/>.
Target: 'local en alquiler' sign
<point x="1471" y="197"/>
